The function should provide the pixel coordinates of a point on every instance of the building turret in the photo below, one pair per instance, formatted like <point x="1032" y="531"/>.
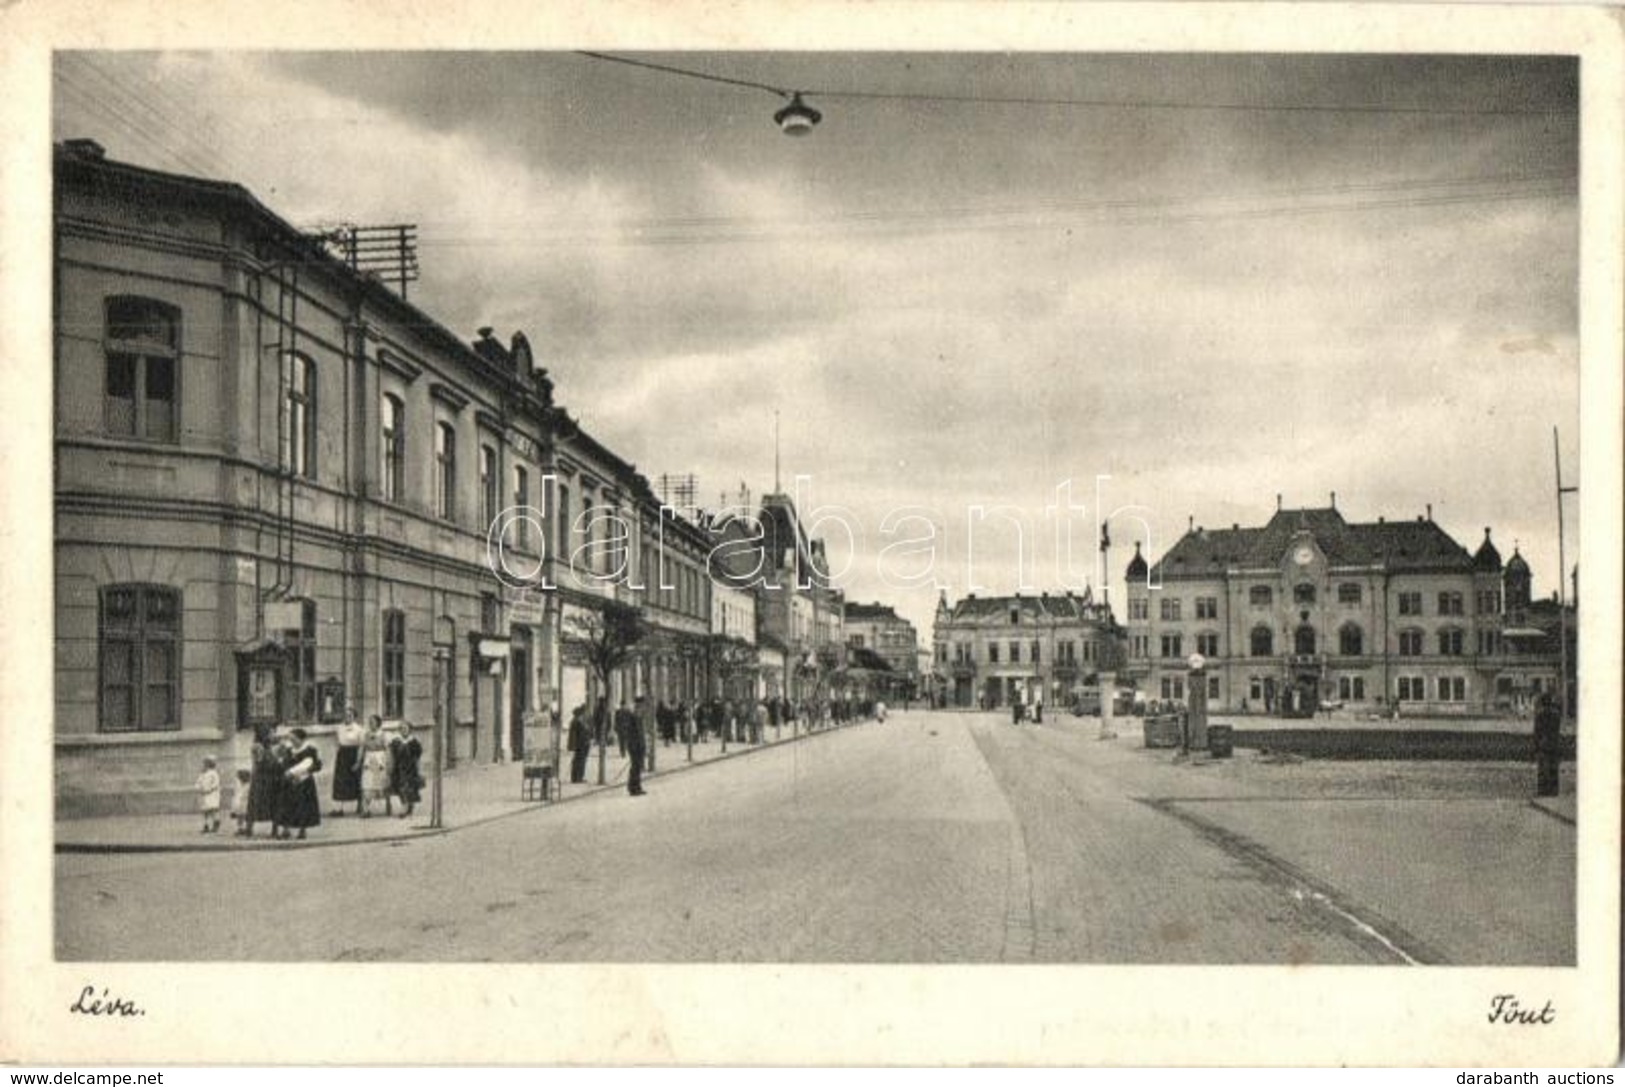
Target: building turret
<point x="1136" y="566"/>
<point x="1516" y="581"/>
<point x="1487" y="558"/>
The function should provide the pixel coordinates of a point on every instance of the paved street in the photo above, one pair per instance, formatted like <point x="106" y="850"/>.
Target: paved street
<point x="937" y="837"/>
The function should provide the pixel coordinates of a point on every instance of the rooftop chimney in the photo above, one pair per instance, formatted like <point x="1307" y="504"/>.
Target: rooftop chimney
<point x="1277" y="502"/>
<point x="1430" y="511"/>
<point x="1334" y="500"/>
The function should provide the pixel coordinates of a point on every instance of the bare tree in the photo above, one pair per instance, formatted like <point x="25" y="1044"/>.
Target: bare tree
<point x="732" y="657"/>
<point x="608" y="638"/>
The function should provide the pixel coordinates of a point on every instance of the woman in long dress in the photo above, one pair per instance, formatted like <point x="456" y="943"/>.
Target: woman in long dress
<point x="347" y="763"/>
<point x="301" y="806"/>
<point x="405" y="780"/>
<point x="264" y="787"/>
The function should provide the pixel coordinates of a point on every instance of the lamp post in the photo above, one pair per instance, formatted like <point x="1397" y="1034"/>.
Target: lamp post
<point x="1196" y="702"/>
<point x="1562" y="577"/>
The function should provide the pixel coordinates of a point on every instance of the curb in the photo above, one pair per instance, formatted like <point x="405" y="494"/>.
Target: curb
<point x="413" y="834"/>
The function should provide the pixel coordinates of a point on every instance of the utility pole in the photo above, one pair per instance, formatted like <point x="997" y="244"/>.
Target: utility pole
<point x="1562" y="579"/>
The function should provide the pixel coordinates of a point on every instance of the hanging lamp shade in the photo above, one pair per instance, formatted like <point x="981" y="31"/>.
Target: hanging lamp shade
<point x="797" y="118"/>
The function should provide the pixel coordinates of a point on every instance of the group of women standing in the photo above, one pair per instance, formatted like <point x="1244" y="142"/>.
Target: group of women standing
<point x="282" y="785"/>
<point x="370" y="765"/>
<point x="373" y="765"/>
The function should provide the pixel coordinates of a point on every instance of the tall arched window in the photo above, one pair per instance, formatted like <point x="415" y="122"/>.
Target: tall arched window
<point x="140" y="658"/>
<point x="392" y="460"/>
<point x="489" y="487"/>
<point x="142" y="340"/>
<point x="1263" y="641"/>
<point x="521" y="501"/>
<point x="1350" y="640"/>
<point x="1303" y="641"/>
<point x="299" y="425"/>
<point x="445" y="471"/>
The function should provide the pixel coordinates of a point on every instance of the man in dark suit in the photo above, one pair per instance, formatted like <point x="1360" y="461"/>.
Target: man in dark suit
<point x="630" y="731"/>
<point x="580" y="745"/>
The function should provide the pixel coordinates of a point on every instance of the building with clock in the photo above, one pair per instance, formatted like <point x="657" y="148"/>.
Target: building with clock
<point x="1309" y="608"/>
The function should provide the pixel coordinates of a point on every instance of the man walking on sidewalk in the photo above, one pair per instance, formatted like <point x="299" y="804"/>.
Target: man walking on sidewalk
<point x="580" y="744"/>
<point x="631" y="730"/>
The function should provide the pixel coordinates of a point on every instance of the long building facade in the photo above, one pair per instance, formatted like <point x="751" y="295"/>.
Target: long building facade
<point x="282" y="491"/>
<point x="1309" y="609"/>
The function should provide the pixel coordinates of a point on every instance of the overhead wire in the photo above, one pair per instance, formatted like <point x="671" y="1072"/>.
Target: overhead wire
<point x="138" y="132"/>
<point x="1086" y="103"/>
<point x="178" y="135"/>
<point x="1055" y="216"/>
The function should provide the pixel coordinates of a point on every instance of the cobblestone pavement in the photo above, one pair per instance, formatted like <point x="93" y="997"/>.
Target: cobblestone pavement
<point x="936" y="837"/>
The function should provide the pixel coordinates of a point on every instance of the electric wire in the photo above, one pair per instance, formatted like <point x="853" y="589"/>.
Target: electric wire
<point x="175" y="134"/>
<point x="1087" y="103"/>
<point x="1096" y="216"/>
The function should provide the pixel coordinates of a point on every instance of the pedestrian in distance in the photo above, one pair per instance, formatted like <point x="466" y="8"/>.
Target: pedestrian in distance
<point x="239" y="803"/>
<point x="880" y="712"/>
<point x="208" y="795"/>
<point x="625" y="725"/>
<point x="347" y="762"/>
<point x="580" y="744"/>
<point x="634" y="751"/>
<point x="666" y="720"/>
<point x="1548" y="746"/>
<point x="1038" y="711"/>
<point x="648" y="727"/>
<point x="406" y="780"/>
<point x="301" y="806"/>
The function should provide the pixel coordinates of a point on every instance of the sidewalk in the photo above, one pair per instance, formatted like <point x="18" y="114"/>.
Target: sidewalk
<point x="473" y="793"/>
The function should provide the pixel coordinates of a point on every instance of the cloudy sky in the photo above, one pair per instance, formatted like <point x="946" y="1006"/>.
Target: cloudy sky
<point x="980" y="277"/>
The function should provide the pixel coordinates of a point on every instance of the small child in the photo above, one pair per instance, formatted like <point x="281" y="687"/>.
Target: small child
<point x="208" y="793"/>
<point x="239" y="802"/>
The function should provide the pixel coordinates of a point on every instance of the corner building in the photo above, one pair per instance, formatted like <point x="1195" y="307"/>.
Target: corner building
<point x="274" y="479"/>
<point x="997" y="650"/>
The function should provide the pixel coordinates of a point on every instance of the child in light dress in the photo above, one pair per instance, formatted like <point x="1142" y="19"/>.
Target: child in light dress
<point x="208" y="793"/>
<point x="239" y="802"/>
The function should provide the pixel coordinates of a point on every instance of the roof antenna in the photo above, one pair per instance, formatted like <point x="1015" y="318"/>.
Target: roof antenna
<point x="776" y="487"/>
